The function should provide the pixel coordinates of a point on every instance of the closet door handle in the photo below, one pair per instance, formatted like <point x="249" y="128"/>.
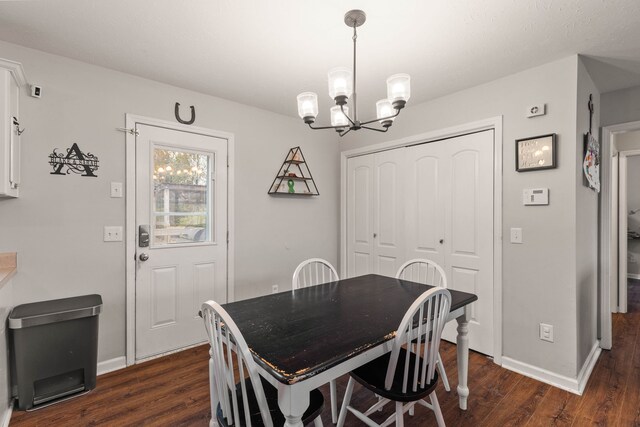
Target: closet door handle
<point x="375" y="235"/>
<point x="441" y="241"/>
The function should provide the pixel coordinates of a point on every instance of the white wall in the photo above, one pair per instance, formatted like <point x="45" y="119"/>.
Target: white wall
<point x="621" y="106"/>
<point x="586" y="212"/>
<point x="56" y="224"/>
<point x="6" y="303"/>
<point x="539" y="276"/>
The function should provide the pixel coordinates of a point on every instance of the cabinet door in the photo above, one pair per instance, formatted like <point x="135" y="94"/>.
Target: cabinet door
<point x="359" y="215"/>
<point x="388" y="213"/>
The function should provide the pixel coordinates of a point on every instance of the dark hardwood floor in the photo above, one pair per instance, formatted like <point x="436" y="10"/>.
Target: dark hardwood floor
<point x="173" y="391"/>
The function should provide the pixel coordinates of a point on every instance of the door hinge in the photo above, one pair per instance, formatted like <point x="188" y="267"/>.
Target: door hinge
<point x="132" y="131"/>
<point x="227" y="236"/>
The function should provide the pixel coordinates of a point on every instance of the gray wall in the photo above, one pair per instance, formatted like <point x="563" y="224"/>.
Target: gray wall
<point x="6" y="303"/>
<point x="621" y="106"/>
<point x="539" y="276"/>
<point x="586" y="212"/>
<point x="56" y="224"/>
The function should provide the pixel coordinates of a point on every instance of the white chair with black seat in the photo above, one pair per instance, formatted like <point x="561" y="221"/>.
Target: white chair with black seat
<point x="426" y="272"/>
<point x="402" y="376"/>
<point x="312" y="272"/>
<point x="237" y="400"/>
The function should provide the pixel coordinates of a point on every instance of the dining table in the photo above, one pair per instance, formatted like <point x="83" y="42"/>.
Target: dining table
<point x="304" y="338"/>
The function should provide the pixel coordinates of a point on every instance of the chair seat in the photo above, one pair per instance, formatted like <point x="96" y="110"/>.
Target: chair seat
<point x="372" y="376"/>
<point x="316" y="403"/>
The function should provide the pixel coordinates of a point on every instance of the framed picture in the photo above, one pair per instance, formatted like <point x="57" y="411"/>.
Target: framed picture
<point x="536" y="153"/>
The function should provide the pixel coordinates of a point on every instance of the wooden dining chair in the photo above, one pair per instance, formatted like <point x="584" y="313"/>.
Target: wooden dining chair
<point x="238" y="399"/>
<point x="402" y="376"/>
<point x="426" y="272"/>
<point x="311" y="272"/>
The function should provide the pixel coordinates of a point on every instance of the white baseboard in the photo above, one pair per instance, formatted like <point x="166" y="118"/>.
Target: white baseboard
<point x="573" y="385"/>
<point x="111" y="365"/>
<point x="589" y="364"/>
<point x="4" y="422"/>
<point x="633" y="276"/>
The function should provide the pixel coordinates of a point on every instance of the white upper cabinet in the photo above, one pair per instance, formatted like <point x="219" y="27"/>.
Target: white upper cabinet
<point x="12" y="80"/>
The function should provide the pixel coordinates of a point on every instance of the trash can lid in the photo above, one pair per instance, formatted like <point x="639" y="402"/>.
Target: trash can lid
<point x="52" y="311"/>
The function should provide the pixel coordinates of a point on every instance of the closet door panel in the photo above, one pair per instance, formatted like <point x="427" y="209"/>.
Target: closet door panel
<point x="388" y="213"/>
<point x="359" y="215"/>
<point x="425" y="192"/>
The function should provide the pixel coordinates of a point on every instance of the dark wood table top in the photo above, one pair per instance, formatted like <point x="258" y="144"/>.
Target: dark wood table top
<point x="298" y="334"/>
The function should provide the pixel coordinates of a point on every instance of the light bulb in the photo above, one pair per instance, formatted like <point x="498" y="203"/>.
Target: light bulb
<point x="338" y="118"/>
<point x="308" y="106"/>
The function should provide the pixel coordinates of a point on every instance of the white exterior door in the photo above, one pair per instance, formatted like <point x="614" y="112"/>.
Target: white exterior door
<point x="432" y="201"/>
<point x="181" y="235"/>
<point x="375" y="218"/>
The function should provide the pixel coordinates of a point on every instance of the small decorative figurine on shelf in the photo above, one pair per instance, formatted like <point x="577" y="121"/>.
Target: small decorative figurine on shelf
<point x="290" y="183"/>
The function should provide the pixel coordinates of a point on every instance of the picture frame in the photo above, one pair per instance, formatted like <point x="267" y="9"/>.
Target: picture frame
<point x="536" y="153"/>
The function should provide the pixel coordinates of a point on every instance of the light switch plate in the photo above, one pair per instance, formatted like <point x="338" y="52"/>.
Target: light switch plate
<point x="516" y="235"/>
<point x="113" y="234"/>
<point x="116" y="189"/>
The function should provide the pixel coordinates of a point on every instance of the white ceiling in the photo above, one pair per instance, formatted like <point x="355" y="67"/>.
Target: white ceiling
<point x="263" y="53"/>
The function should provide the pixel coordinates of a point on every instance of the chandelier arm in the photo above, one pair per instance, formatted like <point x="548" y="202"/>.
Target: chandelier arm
<point x="343" y="133"/>
<point x="377" y="130"/>
<point x="382" y="118"/>
<point x="324" y="127"/>
<point x="345" y="114"/>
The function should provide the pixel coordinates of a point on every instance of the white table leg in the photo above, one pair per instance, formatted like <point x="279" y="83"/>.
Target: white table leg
<point x="213" y="392"/>
<point x="463" y="357"/>
<point x="292" y="403"/>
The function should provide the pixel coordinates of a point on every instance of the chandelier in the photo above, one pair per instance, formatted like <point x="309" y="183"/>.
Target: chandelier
<point x="342" y="87"/>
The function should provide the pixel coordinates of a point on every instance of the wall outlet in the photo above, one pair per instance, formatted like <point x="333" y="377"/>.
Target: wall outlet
<point x="516" y="235"/>
<point x="113" y="234"/>
<point x="274" y="289"/>
<point x="546" y="332"/>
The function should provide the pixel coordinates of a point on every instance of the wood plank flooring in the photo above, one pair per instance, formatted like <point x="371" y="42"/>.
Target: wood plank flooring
<point x="174" y="391"/>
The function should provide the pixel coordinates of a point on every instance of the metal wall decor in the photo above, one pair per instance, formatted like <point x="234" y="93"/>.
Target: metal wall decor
<point x="73" y="161"/>
<point x="591" y="162"/>
<point x="185" y="122"/>
<point x="294" y="177"/>
<point x="536" y="153"/>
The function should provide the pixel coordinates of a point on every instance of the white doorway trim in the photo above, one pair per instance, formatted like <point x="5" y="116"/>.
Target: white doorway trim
<point x="494" y="123"/>
<point x="623" y="243"/>
<point x="130" y="220"/>
<point x="609" y="230"/>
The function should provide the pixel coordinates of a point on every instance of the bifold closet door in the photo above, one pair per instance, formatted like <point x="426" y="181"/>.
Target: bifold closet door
<point x="450" y="221"/>
<point x="375" y="213"/>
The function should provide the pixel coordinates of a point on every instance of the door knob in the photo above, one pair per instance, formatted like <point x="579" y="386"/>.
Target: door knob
<point x="441" y="241"/>
<point x="143" y="257"/>
<point x="375" y="235"/>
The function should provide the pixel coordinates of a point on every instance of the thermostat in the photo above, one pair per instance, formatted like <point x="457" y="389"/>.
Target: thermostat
<point x="535" y="196"/>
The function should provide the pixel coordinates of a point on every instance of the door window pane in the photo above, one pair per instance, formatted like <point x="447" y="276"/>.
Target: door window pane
<point x="181" y="197"/>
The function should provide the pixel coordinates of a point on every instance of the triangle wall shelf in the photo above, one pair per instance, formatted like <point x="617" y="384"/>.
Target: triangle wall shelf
<point x="294" y="177"/>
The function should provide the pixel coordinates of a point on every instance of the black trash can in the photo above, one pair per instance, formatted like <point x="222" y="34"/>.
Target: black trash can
<point x="54" y="349"/>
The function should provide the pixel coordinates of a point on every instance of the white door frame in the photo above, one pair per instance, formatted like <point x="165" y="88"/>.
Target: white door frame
<point x="130" y="221"/>
<point x="493" y="123"/>
<point x="623" y="216"/>
<point x="609" y="239"/>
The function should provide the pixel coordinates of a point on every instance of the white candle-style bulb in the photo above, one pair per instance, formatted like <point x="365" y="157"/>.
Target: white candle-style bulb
<point x="340" y="82"/>
<point x="307" y="105"/>
<point x="337" y="117"/>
